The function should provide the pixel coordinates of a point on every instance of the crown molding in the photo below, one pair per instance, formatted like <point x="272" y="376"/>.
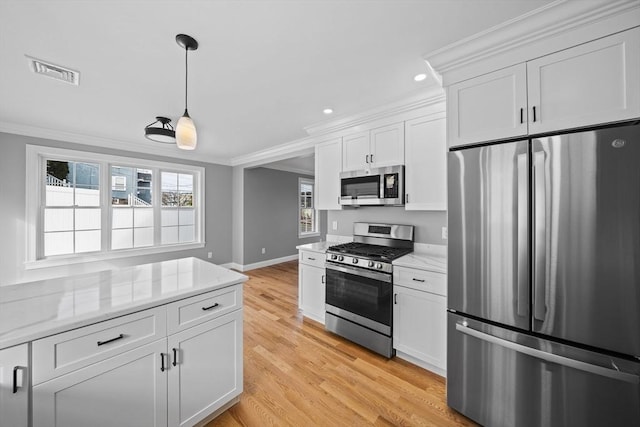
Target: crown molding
<point x="425" y="98"/>
<point x="284" y="168"/>
<point x="553" y="27"/>
<point x="139" y="146"/>
<point x="296" y="148"/>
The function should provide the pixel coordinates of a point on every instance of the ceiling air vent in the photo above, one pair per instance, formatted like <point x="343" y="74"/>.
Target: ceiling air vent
<point x="57" y="72"/>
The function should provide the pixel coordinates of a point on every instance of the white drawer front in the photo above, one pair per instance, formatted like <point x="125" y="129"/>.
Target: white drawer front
<point x="62" y="353"/>
<point x="201" y="308"/>
<point x="421" y="280"/>
<point x="312" y="258"/>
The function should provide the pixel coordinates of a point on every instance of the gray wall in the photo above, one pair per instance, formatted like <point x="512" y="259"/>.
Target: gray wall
<point x="271" y="215"/>
<point x="12" y="212"/>
<point x="428" y="225"/>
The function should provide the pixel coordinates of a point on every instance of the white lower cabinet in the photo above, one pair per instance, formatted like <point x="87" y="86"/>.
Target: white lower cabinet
<point x="419" y="321"/>
<point x="311" y="285"/>
<point x="205" y="370"/>
<point x="176" y="380"/>
<point x="126" y="390"/>
<point x="14" y="386"/>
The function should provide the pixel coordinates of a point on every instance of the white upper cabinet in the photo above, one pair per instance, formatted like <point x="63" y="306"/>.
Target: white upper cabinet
<point x="492" y="106"/>
<point x="589" y="84"/>
<point x="387" y="146"/>
<point x="426" y="163"/>
<point x="378" y="147"/>
<point x="596" y="82"/>
<point x="328" y="164"/>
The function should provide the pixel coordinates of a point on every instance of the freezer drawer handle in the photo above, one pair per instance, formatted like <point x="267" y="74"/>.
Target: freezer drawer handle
<point x="549" y="357"/>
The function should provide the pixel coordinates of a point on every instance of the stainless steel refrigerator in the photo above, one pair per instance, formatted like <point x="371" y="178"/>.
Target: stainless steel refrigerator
<point x="544" y="280"/>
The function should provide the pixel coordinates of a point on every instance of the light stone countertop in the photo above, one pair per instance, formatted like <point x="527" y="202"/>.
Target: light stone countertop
<point x="34" y="310"/>
<point x="425" y="257"/>
<point x="320" y="247"/>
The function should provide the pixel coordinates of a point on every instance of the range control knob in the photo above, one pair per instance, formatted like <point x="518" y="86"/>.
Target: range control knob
<point x="371" y="264"/>
<point x="379" y="266"/>
<point x="334" y="256"/>
<point x="355" y="260"/>
<point x="340" y="258"/>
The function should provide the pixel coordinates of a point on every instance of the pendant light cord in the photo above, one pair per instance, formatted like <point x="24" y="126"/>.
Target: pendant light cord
<point x="186" y="77"/>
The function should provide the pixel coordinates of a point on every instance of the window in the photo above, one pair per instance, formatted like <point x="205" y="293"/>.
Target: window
<point x="307" y="218"/>
<point x="83" y="205"/>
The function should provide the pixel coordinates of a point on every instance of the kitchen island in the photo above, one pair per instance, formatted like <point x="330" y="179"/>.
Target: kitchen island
<point x="155" y="344"/>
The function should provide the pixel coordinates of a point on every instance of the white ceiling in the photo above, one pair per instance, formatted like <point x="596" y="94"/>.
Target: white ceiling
<point x="264" y="69"/>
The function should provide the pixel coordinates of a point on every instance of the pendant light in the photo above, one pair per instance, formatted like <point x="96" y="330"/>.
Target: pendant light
<point x="162" y="133"/>
<point x="186" y="135"/>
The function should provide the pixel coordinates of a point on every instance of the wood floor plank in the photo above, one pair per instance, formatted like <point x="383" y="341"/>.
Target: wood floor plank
<point x="298" y="374"/>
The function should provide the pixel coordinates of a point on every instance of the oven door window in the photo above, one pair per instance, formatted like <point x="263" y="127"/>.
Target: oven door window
<point x="361" y="187"/>
<point x="360" y="295"/>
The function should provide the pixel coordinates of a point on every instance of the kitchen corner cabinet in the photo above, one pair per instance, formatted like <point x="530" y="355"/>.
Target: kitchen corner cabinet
<point x="426" y="163"/>
<point x="374" y="148"/>
<point x="311" y="285"/>
<point x="14" y="386"/>
<point x="419" y="317"/>
<point x="589" y="84"/>
<point x="173" y="365"/>
<point x="328" y="165"/>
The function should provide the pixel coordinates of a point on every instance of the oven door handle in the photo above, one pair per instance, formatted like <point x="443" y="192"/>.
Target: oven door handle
<point x="383" y="277"/>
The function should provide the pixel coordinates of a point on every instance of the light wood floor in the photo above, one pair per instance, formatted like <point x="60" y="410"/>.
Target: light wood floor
<point x="297" y="374"/>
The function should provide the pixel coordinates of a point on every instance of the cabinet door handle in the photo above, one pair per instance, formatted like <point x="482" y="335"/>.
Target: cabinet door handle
<point x="534" y="113"/>
<point x="521" y="115"/>
<point x="407" y="198"/>
<point x="162" y="368"/>
<point x="15" y="386"/>
<point x="175" y="356"/>
<point x="418" y="280"/>
<point x="371" y="158"/>
<point x="366" y="158"/>
<point x="322" y="279"/>
<point x="119" y="337"/>
<point x="210" y="307"/>
<point x="395" y="298"/>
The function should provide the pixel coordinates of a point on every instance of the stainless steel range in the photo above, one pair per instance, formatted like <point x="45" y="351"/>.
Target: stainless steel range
<point x="360" y="284"/>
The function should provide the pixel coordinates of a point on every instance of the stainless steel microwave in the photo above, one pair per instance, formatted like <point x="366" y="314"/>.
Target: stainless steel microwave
<point x="375" y="187"/>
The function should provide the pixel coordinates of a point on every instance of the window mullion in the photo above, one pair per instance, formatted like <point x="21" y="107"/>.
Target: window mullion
<point x="105" y="208"/>
<point x="156" y="202"/>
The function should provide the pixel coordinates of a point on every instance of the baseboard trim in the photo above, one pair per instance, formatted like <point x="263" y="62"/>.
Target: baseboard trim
<point x="421" y="363"/>
<point x="261" y="264"/>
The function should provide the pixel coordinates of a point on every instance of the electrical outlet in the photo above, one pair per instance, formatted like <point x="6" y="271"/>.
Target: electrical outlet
<point x="210" y="255"/>
<point x="445" y="233"/>
<point x="334" y="225"/>
<point x="264" y="251"/>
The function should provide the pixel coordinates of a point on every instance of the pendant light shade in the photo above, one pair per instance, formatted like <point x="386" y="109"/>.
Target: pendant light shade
<point x="186" y="134"/>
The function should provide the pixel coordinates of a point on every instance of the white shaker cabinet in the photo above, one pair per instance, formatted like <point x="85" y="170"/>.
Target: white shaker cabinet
<point x="14" y="386"/>
<point x="311" y="285"/>
<point x="125" y="390"/>
<point x="420" y="317"/>
<point x="589" y="84"/>
<point x="489" y="107"/>
<point x="426" y="163"/>
<point x="596" y="82"/>
<point x="328" y="165"/>
<point x="380" y="147"/>
<point x="206" y="369"/>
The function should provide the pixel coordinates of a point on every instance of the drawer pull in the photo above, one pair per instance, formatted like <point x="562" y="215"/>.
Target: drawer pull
<point x="162" y="368"/>
<point x="119" y="337"/>
<point x="175" y="356"/>
<point x="210" y="307"/>
<point x="312" y="259"/>
<point x="418" y="280"/>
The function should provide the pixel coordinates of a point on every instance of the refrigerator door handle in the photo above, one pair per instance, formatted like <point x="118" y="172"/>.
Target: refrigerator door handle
<point x="549" y="357"/>
<point x="539" y="238"/>
<point x="522" y="299"/>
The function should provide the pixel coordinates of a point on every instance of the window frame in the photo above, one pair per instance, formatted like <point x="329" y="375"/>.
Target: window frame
<point x="316" y="222"/>
<point x="35" y="171"/>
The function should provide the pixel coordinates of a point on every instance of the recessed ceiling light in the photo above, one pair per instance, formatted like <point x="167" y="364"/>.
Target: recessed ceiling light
<point x="420" y="77"/>
<point x="327" y="111"/>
